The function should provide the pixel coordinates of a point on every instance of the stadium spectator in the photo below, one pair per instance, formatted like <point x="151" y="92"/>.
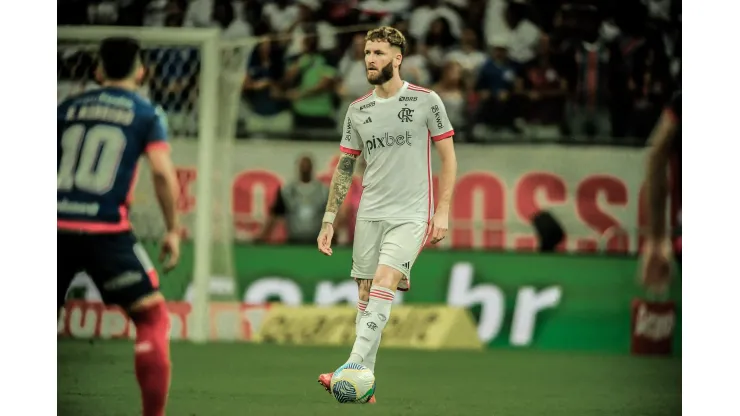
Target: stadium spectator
<point x="281" y="15"/>
<point x="595" y="73"/>
<point x="473" y="14"/>
<point x="311" y="80"/>
<point x="468" y="54"/>
<point x="428" y="11"/>
<point x="310" y="25"/>
<point x="437" y="43"/>
<point x="522" y="35"/>
<point x="103" y="13"/>
<point x="661" y="9"/>
<point x="301" y="204"/>
<point x="157" y="12"/>
<point x="199" y="13"/>
<point x="494" y="88"/>
<point x="415" y="67"/>
<point x="620" y="63"/>
<point x="545" y="89"/>
<point x="451" y="89"/>
<point x="352" y="81"/>
<point x="224" y="18"/>
<point x="384" y="11"/>
<point x="266" y="112"/>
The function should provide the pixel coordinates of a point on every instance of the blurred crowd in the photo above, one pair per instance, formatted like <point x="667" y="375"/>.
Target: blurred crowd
<point x="581" y="70"/>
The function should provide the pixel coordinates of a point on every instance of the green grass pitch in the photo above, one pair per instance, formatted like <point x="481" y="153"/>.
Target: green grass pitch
<point x="248" y="379"/>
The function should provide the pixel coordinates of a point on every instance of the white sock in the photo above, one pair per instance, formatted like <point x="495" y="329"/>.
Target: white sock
<point x="372" y="356"/>
<point x="371" y="324"/>
<point x="361" y="306"/>
<point x="370" y="361"/>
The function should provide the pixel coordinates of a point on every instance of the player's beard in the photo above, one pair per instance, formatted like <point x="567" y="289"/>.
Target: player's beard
<point x="384" y="75"/>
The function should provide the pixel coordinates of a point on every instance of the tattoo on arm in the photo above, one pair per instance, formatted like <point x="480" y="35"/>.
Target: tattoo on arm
<point x="341" y="182"/>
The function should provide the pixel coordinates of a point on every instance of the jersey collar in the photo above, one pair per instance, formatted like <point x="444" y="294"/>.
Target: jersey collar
<point x="393" y="97"/>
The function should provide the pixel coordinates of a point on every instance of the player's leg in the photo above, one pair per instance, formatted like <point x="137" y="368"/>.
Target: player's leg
<point x="363" y="294"/>
<point x="399" y="248"/>
<point x="364" y="286"/>
<point x="372" y="323"/>
<point x="365" y="251"/>
<point x="152" y="352"/>
<point x="69" y="263"/>
<point x="365" y="255"/>
<point x="125" y="276"/>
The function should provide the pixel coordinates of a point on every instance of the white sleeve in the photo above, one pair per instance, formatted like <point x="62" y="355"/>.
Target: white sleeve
<point x="351" y="141"/>
<point x="437" y="122"/>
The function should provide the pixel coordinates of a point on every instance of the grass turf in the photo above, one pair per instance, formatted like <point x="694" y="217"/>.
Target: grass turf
<point x="250" y="379"/>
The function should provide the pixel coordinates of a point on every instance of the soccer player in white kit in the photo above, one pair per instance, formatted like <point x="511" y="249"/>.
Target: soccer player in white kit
<point x="393" y="128"/>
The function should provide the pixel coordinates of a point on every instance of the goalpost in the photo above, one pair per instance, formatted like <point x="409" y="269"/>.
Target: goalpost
<point x="197" y="79"/>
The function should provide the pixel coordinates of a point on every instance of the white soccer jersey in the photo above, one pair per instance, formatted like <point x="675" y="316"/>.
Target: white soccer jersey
<point x="394" y="135"/>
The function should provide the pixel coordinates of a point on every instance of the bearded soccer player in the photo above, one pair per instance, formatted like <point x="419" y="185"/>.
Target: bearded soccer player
<point x="665" y="149"/>
<point x="393" y="128"/>
<point x="101" y="135"/>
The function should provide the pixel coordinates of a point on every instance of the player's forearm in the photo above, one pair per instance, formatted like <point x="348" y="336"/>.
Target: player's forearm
<point x="165" y="185"/>
<point x="661" y="141"/>
<point x="340" y="182"/>
<point x="447" y="183"/>
<point x="657" y="193"/>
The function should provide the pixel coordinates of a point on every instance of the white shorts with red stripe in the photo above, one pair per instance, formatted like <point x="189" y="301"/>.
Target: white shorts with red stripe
<point x="394" y="243"/>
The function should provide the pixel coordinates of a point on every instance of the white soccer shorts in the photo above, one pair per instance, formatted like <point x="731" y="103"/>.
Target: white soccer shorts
<point x="394" y="243"/>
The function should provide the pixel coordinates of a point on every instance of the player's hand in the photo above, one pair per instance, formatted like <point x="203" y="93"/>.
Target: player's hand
<point x="656" y="266"/>
<point x="325" y="237"/>
<point x="170" y="252"/>
<point x="438" y="227"/>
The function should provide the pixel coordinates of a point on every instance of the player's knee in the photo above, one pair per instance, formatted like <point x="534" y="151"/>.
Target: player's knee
<point x="387" y="277"/>
<point x="146" y="302"/>
<point x="151" y="317"/>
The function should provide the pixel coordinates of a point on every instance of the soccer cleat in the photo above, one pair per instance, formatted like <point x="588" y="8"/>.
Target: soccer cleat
<point x="325" y="381"/>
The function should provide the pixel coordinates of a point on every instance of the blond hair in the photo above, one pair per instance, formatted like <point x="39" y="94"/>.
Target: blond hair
<point x="388" y="34"/>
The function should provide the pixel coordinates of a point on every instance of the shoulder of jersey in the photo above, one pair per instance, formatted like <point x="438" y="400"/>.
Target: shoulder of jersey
<point x="362" y="101"/>
<point x="417" y="95"/>
<point x="145" y="102"/>
<point x="77" y="96"/>
<point x="146" y="107"/>
<point x="416" y="90"/>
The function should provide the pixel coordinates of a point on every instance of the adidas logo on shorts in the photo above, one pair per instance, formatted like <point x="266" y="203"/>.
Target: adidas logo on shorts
<point x="406" y="265"/>
<point x="369" y="120"/>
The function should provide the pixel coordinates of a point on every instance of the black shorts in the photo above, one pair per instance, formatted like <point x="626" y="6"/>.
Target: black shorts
<point x="117" y="264"/>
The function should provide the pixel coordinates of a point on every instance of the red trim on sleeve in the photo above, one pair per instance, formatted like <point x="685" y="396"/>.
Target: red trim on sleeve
<point x="443" y="136"/>
<point x="349" y="151"/>
<point x="418" y="88"/>
<point x="362" y="98"/>
<point x="157" y="146"/>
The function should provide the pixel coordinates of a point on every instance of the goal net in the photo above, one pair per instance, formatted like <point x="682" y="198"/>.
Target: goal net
<point x="196" y="79"/>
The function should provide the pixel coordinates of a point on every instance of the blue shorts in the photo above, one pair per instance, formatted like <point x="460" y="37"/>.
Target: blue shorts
<point x="117" y="264"/>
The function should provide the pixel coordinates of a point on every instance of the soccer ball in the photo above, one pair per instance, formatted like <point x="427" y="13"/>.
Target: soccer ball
<point x="353" y="383"/>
